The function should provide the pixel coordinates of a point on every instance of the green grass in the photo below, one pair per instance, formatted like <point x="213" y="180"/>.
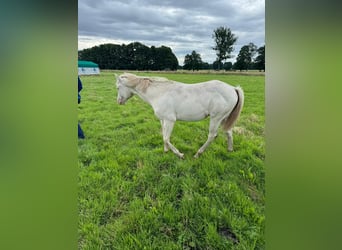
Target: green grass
<point x="132" y="195"/>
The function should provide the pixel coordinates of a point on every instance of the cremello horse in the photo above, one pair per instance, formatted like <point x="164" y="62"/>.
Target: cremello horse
<point x="173" y="101"/>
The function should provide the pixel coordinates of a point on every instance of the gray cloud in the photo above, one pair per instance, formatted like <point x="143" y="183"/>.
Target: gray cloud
<point x="182" y="25"/>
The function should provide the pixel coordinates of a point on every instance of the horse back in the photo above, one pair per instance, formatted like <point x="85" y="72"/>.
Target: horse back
<point x="195" y="101"/>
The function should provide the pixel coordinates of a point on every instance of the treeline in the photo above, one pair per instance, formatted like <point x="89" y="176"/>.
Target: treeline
<point x="249" y="58"/>
<point x="134" y="56"/>
<point x="137" y="56"/>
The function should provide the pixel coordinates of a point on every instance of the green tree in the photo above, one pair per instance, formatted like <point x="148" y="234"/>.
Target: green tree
<point x="224" y="40"/>
<point x="152" y="63"/>
<point x="260" y="59"/>
<point x="205" y="65"/>
<point x="217" y="65"/>
<point x="140" y="55"/>
<point x="245" y="57"/>
<point x="165" y="59"/>
<point x="227" y="66"/>
<point x="134" y="56"/>
<point x="193" y="61"/>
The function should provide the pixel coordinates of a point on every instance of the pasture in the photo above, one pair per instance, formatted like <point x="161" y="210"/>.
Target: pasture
<point x="132" y="195"/>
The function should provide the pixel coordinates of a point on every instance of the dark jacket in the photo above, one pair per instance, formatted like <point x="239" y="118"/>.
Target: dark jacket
<point x="80" y="87"/>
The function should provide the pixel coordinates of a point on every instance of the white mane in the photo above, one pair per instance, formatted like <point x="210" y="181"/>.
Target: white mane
<point x="143" y="82"/>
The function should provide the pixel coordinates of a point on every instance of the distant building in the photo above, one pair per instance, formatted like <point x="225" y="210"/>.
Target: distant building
<point x="88" y="68"/>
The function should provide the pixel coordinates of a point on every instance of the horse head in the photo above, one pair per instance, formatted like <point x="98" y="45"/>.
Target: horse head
<point x="124" y="91"/>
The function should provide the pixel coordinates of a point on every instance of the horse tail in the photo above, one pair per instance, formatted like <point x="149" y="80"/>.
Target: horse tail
<point x="230" y="120"/>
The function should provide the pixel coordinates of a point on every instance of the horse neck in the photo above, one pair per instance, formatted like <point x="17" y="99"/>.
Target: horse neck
<point x="150" y="93"/>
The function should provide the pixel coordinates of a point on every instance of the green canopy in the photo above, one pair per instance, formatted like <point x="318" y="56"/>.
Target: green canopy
<point x="87" y="64"/>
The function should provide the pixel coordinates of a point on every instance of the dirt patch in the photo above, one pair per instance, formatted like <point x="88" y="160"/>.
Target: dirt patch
<point x="228" y="233"/>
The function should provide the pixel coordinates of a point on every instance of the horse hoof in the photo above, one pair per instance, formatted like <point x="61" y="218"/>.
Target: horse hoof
<point x="181" y="156"/>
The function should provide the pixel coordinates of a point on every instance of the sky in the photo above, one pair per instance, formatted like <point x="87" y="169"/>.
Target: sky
<point x="182" y="25"/>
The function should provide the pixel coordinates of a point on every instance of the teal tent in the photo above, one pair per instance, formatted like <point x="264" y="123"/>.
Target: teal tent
<point x="88" y="68"/>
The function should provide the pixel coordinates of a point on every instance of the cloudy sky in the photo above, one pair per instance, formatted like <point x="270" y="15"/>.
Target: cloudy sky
<point x="182" y="25"/>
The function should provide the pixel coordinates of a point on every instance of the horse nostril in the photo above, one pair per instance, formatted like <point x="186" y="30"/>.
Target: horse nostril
<point x="120" y="101"/>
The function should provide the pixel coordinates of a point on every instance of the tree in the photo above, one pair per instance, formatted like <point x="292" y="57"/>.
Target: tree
<point x="139" y="54"/>
<point x="193" y="61"/>
<point x="252" y="50"/>
<point x="134" y="56"/>
<point x="242" y="59"/>
<point x="217" y="65"/>
<point x="245" y="57"/>
<point x="165" y="59"/>
<point x="224" y="40"/>
<point x="260" y="59"/>
<point x="205" y="65"/>
<point x="227" y="66"/>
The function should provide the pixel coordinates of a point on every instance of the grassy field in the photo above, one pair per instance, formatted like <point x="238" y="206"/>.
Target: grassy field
<point x="132" y="195"/>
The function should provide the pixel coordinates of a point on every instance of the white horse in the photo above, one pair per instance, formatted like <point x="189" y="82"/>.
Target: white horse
<point x="173" y="101"/>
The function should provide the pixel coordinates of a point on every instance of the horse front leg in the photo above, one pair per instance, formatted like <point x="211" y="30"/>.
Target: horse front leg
<point x="166" y="147"/>
<point x="167" y="127"/>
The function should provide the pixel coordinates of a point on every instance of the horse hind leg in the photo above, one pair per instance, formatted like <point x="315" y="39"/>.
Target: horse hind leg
<point x="230" y="139"/>
<point x="167" y="130"/>
<point x="214" y="124"/>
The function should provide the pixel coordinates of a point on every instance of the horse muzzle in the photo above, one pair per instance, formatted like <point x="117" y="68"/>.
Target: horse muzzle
<point x="120" y="101"/>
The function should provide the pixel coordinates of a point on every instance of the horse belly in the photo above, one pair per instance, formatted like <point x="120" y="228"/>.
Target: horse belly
<point x="188" y="113"/>
<point x="182" y="105"/>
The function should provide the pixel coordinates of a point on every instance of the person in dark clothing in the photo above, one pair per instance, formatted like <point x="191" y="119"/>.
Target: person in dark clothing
<point x="80" y="87"/>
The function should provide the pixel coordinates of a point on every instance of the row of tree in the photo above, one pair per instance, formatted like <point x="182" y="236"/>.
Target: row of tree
<point x="137" y="56"/>
<point x="225" y="39"/>
<point x="134" y="56"/>
<point x="246" y="58"/>
<point x="249" y="57"/>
